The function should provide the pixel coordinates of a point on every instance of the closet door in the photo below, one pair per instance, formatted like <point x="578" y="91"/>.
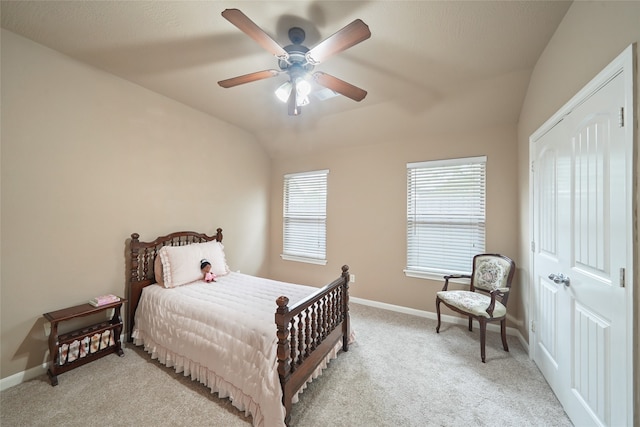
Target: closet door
<point x="582" y="245"/>
<point x="550" y="223"/>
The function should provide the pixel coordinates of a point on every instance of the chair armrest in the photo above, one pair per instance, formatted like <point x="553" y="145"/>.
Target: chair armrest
<point x="453" y="276"/>
<point x="457" y="276"/>
<point x="500" y="292"/>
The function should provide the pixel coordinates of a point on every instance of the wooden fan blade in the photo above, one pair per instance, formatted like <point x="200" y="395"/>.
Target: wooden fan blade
<point x="350" y="35"/>
<point x="248" y="78"/>
<point x="340" y="86"/>
<point x="246" y="25"/>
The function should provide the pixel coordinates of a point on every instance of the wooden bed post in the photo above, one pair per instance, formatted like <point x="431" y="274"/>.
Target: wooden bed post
<point x="134" y="256"/>
<point x="346" y="327"/>
<point x="133" y="277"/>
<point x="283" y="352"/>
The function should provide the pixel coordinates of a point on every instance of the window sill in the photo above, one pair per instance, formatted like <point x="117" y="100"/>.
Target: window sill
<point x="303" y="259"/>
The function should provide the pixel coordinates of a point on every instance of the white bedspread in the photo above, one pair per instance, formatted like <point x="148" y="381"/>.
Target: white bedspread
<point x="222" y="334"/>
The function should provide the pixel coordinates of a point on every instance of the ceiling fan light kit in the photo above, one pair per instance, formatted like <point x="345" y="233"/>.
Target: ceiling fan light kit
<point x="298" y="62"/>
<point x="303" y="89"/>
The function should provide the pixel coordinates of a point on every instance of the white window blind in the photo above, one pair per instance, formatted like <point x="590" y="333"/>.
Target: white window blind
<point x="445" y="215"/>
<point x="305" y="217"/>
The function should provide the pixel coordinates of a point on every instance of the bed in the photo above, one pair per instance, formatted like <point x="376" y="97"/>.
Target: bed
<point x="254" y="340"/>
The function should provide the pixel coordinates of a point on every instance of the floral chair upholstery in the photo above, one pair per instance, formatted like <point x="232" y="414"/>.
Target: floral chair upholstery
<point x="486" y="299"/>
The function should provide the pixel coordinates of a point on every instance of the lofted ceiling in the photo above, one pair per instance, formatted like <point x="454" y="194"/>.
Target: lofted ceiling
<point x="429" y="67"/>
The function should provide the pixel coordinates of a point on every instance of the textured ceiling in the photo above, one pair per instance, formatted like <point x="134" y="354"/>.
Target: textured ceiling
<point x="429" y="66"/>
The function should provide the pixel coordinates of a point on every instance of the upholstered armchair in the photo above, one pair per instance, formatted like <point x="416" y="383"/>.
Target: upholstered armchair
<point x="486" y="299"/>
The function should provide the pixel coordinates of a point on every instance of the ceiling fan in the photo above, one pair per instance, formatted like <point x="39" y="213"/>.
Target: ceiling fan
<point x="297" y="61"/>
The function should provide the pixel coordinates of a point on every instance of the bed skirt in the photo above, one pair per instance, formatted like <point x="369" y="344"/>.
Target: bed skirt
<point x="219" y="385"/>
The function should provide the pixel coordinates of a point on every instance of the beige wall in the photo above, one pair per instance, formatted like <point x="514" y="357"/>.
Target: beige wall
<point x="366" y="211"/>
<point x="591" y="35"/>
<point x="74" y="140"/>
<point x="88" y="159"/>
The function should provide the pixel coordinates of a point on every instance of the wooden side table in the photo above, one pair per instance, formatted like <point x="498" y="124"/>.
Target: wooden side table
<point x="81" y="346"/>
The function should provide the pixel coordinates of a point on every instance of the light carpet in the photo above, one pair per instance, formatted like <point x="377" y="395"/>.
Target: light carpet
<point x="399" y="372"/>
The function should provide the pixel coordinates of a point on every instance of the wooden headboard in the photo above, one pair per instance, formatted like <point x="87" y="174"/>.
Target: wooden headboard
<point x="142" y="257"/>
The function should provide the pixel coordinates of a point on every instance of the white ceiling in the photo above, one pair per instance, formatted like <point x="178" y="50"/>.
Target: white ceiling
<point x="429" y="66"/>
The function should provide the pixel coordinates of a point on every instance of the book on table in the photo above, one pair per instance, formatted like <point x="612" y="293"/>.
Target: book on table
<point x="103" y="299"/>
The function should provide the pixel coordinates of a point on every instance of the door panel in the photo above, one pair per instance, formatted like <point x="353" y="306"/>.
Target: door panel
<point x="591" y="365"/>
<point x="591" y="147"/>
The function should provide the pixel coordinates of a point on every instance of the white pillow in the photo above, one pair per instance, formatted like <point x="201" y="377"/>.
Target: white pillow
<point x="180" y="265"/>
<point x="214" y="253"/>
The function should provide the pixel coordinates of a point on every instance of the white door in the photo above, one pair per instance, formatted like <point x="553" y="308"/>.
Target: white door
<point x="581" y="232"/>
<point x="551" y="302"/>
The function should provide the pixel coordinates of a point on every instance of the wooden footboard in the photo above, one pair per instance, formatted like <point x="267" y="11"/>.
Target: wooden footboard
<point x="308" y="331"/>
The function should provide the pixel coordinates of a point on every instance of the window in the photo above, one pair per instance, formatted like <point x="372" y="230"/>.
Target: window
<point x="305" y="217"/>
<point x="445" y="216"/>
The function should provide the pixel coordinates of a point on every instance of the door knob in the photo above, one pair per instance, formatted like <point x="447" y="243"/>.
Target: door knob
<point x="560" y="278"/>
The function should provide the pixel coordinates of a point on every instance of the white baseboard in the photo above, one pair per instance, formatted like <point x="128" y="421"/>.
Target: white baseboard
<point x="445" y="318"/>
<point x="23" y="376"/>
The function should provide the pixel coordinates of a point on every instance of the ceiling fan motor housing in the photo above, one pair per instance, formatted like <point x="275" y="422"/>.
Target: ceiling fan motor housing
<point x="297" y="60"/>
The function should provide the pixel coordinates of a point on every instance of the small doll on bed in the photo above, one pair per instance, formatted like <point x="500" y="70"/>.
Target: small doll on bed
<point x="205" y="266"/>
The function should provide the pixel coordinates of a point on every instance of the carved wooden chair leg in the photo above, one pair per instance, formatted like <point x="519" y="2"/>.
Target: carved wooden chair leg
<point x="483" y="337"/>
<point x="503" y="332"/>
<point x="438" y="311"/>
<point x="470" y="323"/>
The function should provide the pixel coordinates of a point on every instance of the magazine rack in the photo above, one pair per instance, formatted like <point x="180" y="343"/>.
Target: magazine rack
<point x="76" y="348"/>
